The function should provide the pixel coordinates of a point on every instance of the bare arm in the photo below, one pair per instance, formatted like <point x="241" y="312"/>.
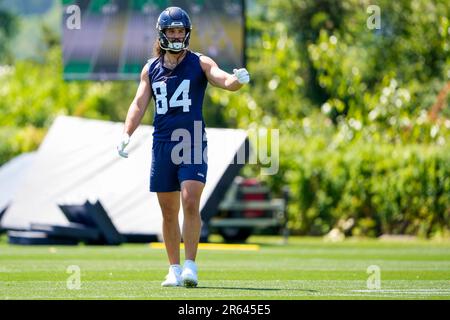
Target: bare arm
<point x="217" y="77"/>
<point x="140" y="103"/>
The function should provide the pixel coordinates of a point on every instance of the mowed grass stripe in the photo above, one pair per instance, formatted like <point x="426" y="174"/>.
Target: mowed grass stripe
<point x="213" y="246"/>
<point x="303" y="269"/>
<point x="231" y="289"/>
<point x="245" y="275"/>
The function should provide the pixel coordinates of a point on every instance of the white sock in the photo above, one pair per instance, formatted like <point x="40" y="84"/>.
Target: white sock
<point x="190" y="263"/>
<point x="175" y="266"/>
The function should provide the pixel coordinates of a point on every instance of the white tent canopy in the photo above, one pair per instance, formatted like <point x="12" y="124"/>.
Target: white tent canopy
<point x="78" y="161"/>
<point x="11" y="176"/>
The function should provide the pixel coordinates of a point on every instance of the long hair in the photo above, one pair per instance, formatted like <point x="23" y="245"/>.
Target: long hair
<point x="157" y="51"/>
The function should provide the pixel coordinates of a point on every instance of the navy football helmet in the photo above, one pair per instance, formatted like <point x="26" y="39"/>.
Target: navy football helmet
<point x="173" y="17"/>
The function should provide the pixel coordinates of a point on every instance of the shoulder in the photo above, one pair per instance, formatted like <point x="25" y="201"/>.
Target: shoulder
<point x="201" y="57"/>
<point x="151" y="63"/>
<point x="196" y="54"/>
<point x="147" y="67"/>
<point x="207" y="63"/>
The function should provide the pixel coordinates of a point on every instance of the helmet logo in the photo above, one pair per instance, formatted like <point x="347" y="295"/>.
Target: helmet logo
<point x="177" y="24"/>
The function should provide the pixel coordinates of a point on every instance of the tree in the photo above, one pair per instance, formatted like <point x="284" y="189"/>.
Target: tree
<point x="8" y="28"/>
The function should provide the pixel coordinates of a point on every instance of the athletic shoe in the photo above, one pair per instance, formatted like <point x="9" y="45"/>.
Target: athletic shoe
<point x="189" y="275"/>
<point x="173" y="278"/>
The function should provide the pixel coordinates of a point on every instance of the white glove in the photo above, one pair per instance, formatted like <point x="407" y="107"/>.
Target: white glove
<point x="123" y="144"/>
<point x="242" y="75"/>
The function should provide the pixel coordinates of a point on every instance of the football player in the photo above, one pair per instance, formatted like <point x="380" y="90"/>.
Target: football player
<point x="176" y="78"/>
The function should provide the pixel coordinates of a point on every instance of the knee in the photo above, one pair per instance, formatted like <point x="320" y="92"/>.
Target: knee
<point x="190" y="206"/>
<point x="170" y="215"/>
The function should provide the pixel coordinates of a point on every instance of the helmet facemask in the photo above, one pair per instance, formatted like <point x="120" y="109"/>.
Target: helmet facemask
<point x="173" y="46"/>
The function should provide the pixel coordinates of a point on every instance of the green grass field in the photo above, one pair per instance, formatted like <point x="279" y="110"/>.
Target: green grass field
<point x="306" y="268"/>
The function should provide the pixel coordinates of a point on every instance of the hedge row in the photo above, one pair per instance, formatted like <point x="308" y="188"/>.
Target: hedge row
<point x="371" y="189"/>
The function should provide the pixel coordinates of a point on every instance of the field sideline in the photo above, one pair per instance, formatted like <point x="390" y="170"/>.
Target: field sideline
<point x="306" y="268"/>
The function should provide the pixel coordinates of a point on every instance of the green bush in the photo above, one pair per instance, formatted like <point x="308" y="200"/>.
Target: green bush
<point x="383" y="188"/>
<point x="15" y="140"/>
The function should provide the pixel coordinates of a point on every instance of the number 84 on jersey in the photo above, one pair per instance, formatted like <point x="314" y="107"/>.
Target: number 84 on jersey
<point x="180" y="97"/>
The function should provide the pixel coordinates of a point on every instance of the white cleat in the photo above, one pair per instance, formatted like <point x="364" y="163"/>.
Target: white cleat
<point x="189" y="277"/>
<point x="173" y="278"/>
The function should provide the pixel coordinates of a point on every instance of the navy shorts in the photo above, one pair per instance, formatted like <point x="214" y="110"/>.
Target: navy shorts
<point x="173" y="162"/>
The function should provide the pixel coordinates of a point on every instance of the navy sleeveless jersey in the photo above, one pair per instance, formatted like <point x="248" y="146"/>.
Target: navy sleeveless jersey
<point x="178" y="96"/>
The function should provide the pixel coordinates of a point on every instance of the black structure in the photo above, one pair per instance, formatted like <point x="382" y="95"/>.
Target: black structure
<point x="89" y="223"/>
<point x="73" y="231"/>
<point x="2" y="212"/>
<point x="38" y="238"/>
<point x="94" y="216"/>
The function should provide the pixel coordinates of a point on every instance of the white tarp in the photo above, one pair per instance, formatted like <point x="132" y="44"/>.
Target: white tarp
<point x="78" y="161"/>
<point x="11" y="176"/>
